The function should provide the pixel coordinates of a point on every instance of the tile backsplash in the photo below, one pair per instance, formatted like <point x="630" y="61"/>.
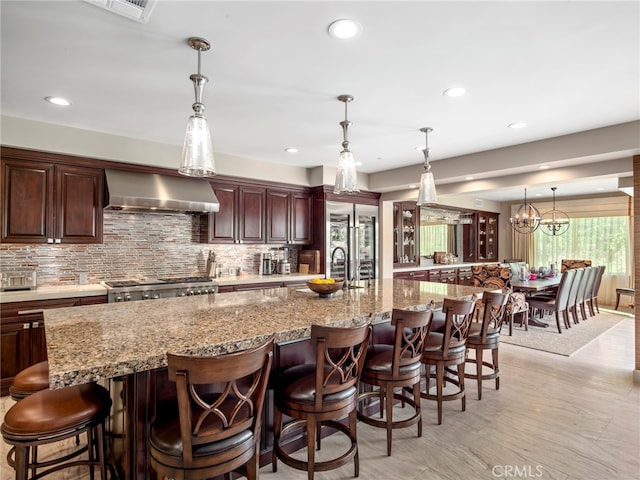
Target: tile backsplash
<point x="134" y="245"/>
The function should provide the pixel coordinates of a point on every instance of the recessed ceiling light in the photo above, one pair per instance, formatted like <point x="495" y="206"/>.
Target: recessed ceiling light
<point x="454" y="92"/>
<point x="344" y="29"/>
<point x="468" y="178"/>
<point x="358" y="164"/>
<point x="62" y="102"/>
<point x="600" y="189"/>
<point x="291" y="150"/>
<point x="543" y="167"/>
<point x="517" y="125"/>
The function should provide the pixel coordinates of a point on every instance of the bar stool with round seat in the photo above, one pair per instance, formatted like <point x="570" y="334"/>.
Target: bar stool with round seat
<point x="320" y="394"/>
<point x="485" y="335"/>
<point x="49" y="416"/>
<point x="30" y="380"/>
<point x="442" y="351"/>
<point x="215" y="427"/>
<point x="396" y="366"/>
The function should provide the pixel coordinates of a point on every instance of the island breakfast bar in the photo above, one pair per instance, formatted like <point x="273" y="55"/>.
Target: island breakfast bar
<point x="129" y="341"/>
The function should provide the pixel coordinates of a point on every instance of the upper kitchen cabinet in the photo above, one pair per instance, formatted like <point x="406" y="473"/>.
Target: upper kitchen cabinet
<point x="406" y="233"/>
<point x="45" y="202"/>
<point x="289" y="216"/>
<point x="487" y="237"/>
<point x="241" y="218"/>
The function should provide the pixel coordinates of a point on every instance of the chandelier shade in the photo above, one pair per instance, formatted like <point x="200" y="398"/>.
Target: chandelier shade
<point x="526" y="219"/>
<point x="427" y="194"/>
<point x="554" y="222"/>
<point x="346" y="176"/>
<point x="197" y="151"/>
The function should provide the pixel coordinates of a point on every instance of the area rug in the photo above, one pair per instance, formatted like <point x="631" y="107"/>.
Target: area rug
<point x="570" y="341"/>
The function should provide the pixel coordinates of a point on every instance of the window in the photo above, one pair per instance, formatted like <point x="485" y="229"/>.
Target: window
<point x="603" y="240"/>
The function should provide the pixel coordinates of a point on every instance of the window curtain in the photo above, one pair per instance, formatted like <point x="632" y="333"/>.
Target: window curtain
<point x="522" y="247"/>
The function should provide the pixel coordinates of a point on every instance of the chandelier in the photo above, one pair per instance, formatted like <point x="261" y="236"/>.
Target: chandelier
<point x="554" y="222"/>
<point x="197" y="152"/>
<point x="346" y="177"/>
<point x="427" y="192"/>
<point x="527" y="218"/>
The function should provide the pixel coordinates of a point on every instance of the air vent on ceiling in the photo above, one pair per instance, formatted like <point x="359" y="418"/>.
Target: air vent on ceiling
<point x="138" y="10"/>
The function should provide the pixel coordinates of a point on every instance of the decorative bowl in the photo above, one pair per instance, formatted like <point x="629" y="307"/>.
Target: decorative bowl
<point x="325" y="289"/>
<point x="533" y="276"/>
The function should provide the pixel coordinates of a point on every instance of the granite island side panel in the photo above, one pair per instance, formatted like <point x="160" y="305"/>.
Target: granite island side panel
<point x="94" y="342"/>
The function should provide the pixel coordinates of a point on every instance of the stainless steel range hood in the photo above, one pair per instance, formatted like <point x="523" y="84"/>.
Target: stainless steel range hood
<point x="150" y="192"/>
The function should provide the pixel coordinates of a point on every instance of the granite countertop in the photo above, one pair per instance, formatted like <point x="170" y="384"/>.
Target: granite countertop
<point x="51" y="292"/>
<point x="93" y="342"/>
<point x="67" y="291"/>
<point x="438" y="266"/>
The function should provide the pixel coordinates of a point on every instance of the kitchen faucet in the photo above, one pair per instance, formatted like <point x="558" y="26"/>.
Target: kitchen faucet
<point x="344" y="255"/>
<point x="369" y="270"/>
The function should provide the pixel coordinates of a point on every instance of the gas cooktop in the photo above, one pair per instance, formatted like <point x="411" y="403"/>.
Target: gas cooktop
<point x="156" y="281"/>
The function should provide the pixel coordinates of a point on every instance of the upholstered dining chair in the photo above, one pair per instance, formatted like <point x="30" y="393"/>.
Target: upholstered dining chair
<point x="484" y="334"/>
<point x="494" y="277"/>
<point x="593" y="302"/>
<point x="572" y="306"/>
<point x="444" y="351"/>
<point x="321" y="394"/>
<point x="216" y="426"/>
<point x="568" y="264"/>
<point x="558" y="304"/>
<point x="586" y="291"/>
<point x="396" y="366"/>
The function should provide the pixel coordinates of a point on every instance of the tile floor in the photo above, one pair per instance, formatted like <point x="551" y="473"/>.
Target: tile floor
<point x="554" y="418"/>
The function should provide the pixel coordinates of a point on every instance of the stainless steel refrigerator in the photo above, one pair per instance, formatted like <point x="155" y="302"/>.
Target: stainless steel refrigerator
<point x="352" y="241"/>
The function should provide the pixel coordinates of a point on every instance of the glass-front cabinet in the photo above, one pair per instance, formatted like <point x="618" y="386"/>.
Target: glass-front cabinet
<point x="487" y="237"/>
<point x="406" y="234"/>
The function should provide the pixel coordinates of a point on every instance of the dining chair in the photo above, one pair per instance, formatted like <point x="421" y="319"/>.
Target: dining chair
<point x="493" y="277"/>
<point x="593" y="304"/>
<point x="321" y="394"/>
<point x="395" y="366"/>
<point x="558" y="304"/>
<point x="215" y="427"/>
<point x="484" y="334"/>
<point x="572" y="305"/>
<point x="585" y="306"/>
<point x="443" y="351"/>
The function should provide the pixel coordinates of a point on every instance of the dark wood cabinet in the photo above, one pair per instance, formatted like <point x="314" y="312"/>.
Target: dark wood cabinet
<point x="465" y="276"/>
<point x="22" y="336"/>
<point x="289" y="216"/>
<point x="406" y="234"/>
<point x="419" y="275"/>
<point x="487" y="233"/>
<point x="241" y="218"/>
<point x="51" y="203"/>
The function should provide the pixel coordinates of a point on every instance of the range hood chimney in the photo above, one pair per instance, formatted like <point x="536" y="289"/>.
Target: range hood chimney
<point x="150" y="192"/>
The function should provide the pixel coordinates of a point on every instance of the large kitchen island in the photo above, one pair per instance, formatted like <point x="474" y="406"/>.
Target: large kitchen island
<point x="127" y="343"/>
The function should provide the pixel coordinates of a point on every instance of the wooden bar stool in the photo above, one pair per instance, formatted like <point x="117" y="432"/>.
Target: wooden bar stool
<point x="444" y="351"/>
<point x="49" y="416"/>
<point x="396" y="366"/>
<point x="320" y="394"/>
<point x="30" y="380"/>
<point x="485" y="335"/>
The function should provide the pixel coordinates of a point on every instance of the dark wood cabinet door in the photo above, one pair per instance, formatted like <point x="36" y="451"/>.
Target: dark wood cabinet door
<point x="15" y="343"/>
<point x="47" y="203"/>
<point x="222" y="225"/>
<point x="27" y="201"/>
<point x="79" y="204"/>
<point x="301" y="218"/>
<point x="252" y="215"/>
<point x="278" y="216"/>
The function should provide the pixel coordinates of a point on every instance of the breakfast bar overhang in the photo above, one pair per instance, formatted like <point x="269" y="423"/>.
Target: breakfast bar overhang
<point x="129" y="341"/>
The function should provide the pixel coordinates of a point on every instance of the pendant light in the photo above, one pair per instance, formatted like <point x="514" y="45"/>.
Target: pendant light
<point x="527" y="218"/>
<point x="197" y="152"/>
<point x="427" y="192"/>
<point x="346" y="177"/>
<point x="554" y="222"/>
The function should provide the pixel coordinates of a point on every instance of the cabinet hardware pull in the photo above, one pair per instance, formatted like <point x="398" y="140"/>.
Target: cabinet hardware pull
<point x="26" y="326"/>
<point x="58" y="240"/>
<point x="49" y="240"/>
<point x="35" y="324"/>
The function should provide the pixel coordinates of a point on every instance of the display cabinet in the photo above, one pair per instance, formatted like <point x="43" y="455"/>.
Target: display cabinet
<point x="406" y="234"/>
<point x="487" y="237"/>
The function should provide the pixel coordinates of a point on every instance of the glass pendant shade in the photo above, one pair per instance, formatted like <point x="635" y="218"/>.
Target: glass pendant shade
<point x="197" y="152"/>
<point x="346" y="177"/>
<point x="527" y="218"/>
<point x="427" y="193"/>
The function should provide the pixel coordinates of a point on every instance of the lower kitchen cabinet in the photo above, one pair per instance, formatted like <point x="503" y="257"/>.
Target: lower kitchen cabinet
<point x="22" y="338"/>
<point x="420" y="275"/>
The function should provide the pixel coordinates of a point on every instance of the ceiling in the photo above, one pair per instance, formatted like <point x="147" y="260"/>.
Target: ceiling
<point x="275" y="74"/>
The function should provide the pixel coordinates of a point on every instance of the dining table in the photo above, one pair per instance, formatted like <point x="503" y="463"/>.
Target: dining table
<point x="537" y="285"/>
<point x="532" y="286"/>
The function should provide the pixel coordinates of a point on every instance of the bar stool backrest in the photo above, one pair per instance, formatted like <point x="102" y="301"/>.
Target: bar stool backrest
<point x="411" y="329"/>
